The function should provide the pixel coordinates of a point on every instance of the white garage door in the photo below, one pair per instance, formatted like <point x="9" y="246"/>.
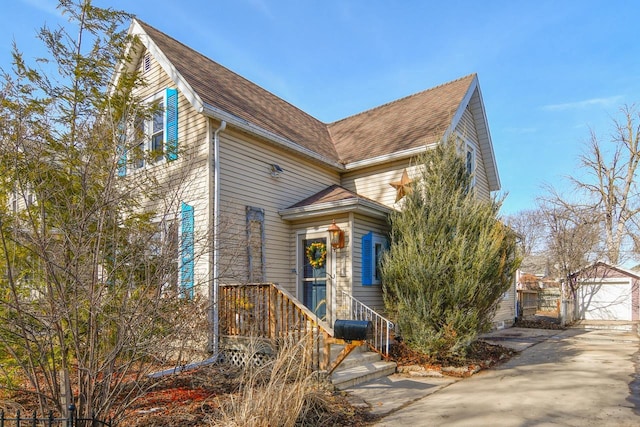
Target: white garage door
<point x="605" y="301"/>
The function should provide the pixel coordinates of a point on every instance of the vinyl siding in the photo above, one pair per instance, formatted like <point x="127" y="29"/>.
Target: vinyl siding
<point x="184" y="179"/>
<point x="368" y="295"/>
<point x="506" y="313"/>
<point x="375" y="182"/>
<point x="467" y="129"/>
<point x="245" y="180"/>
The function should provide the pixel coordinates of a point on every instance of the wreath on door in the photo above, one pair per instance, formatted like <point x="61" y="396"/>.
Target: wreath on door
<point x="317" y="254"/>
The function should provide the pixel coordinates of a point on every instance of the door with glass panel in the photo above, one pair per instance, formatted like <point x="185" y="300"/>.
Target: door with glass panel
<point x="313" y="280"/>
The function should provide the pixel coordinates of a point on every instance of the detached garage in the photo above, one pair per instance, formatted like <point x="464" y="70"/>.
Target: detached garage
<point x="608" y="292"/>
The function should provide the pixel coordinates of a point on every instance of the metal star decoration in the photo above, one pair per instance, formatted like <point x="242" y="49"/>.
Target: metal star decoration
<point x="403" y="187"/>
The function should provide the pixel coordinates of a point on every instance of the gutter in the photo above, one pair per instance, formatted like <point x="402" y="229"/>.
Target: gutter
<point x="245" y="125"/>
<point x="386" y="158"/>
<point x="216" y="226"/>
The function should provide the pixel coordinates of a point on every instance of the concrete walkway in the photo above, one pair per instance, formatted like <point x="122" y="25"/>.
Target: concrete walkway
<point x="577" y="377"/>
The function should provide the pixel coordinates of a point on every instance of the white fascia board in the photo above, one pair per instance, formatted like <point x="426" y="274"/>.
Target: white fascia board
<point x="461" y="107"/>
<point x="398" y="155"/>
<point x="184" y="88"/>
<point x="490" y="155"/>
<point x="121" y="65"/>
<point x="606" y="281"/>
<point x="247" y="126"/>
<point x="484" y="144"/>
<point x="343" y="206"/>
<point x="602" y="264"/>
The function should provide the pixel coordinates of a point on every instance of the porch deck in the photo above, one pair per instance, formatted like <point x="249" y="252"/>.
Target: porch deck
<point x="266" y="315"/>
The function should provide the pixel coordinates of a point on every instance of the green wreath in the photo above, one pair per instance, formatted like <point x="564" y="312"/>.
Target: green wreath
<point x="317" y="254"/>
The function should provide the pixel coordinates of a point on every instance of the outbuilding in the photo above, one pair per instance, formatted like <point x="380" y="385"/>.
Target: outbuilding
<point x="608" y="292"/>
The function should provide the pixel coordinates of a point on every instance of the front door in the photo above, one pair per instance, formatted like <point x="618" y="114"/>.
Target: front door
<point x="314" y="278"/>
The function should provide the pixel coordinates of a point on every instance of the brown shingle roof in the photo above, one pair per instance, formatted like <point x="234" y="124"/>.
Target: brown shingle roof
<point x="333" y="193"/>
<point x="332" y="198"/>
<point x="410" y="122"/>
<point x="221" y="88"/>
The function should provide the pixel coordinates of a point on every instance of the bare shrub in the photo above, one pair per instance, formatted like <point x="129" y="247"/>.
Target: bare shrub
<point x="274" y="393"/>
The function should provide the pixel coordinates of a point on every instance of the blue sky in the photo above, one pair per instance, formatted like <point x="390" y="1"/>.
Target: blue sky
<point x="550" y="71"/>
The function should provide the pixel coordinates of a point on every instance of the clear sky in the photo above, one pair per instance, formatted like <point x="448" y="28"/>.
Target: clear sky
<point x="549" y="70"/>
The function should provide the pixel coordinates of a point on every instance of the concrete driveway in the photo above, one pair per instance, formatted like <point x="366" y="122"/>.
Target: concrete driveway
<point x="571" y="378"/>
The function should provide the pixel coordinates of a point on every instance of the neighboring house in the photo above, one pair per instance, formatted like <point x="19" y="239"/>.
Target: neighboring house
<point x="269" y="180"/>
<point x="608" y="292"/>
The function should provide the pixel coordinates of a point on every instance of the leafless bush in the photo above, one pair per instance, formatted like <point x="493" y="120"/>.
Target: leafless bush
<point x="276" y="393"/>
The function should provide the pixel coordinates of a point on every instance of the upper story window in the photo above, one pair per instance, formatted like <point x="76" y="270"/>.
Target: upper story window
<point x="470" y="159"/>
<point x="150" y="134"/>
<point x="467" y="150"/>
<point x="155" y="136"/>
<point x="156" y="130"/>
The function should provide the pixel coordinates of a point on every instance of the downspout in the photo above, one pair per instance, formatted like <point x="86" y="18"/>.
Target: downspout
<point x="516" y="300"/>
<point x="216" y="225"/>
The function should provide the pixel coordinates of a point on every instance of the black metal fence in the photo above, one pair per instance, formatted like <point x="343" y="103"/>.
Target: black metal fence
<point x="33" y="420"/>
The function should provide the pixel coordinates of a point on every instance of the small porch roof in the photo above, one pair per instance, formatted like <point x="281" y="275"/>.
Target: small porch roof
<point x="334" y="200"/>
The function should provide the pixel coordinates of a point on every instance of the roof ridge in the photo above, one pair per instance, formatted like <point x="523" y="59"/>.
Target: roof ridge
<point x="395" y="101"/>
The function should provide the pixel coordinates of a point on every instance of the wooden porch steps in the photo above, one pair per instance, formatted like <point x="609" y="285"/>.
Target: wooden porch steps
<point x="359" y="367"/>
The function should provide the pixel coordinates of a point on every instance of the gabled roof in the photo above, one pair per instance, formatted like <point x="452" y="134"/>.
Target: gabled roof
<point x="218" y="88"/>
<point x="601" y="265"/>
<point x="415" y="121"/>
<point x="399" y="129"/>
<point x="334" y="199"/>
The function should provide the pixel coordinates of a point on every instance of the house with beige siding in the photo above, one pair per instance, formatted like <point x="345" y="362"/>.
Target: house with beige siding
<point x="264" y="181"/>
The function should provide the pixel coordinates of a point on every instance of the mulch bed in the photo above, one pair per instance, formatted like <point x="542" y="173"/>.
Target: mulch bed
<point x="194" y="397"/>
<point x="540" y="322"/>
<point x="481" y="355"/>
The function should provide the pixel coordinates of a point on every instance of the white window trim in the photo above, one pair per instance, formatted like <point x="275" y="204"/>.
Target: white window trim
<point x="383" y="241"/>
<point x="469" y="147"/>
<point x="161" y="238"/>
<point x="148" y="132"/>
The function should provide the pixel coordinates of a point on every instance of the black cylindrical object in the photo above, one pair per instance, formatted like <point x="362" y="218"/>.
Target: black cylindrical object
<point x="350" y="330"/>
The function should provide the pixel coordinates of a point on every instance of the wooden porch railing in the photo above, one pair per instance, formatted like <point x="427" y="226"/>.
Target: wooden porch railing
<point x="265" y="310"/>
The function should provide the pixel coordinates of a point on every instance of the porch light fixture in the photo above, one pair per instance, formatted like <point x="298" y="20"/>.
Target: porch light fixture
<point x="276" y="170"/>
<point x="337" y="236"/>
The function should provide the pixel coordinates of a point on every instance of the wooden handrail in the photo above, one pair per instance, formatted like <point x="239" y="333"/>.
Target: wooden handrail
<point x="264" y="310"/>
<point x="267" y="311"/>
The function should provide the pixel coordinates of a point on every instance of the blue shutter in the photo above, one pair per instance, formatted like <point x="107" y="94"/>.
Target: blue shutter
<point x="186" y="252"/>
<point x="122" y="161"/>
<point x="171" y="131"/>
<point x="367" y="259"/>
<point x="122" y="150"/>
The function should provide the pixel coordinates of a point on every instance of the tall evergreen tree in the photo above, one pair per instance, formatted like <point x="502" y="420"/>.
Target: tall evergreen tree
<point x="450" y="260"/>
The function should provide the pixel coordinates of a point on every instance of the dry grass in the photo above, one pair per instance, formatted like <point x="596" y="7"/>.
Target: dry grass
<point x="280" y="392"/>
<point x="274" y="393"/>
